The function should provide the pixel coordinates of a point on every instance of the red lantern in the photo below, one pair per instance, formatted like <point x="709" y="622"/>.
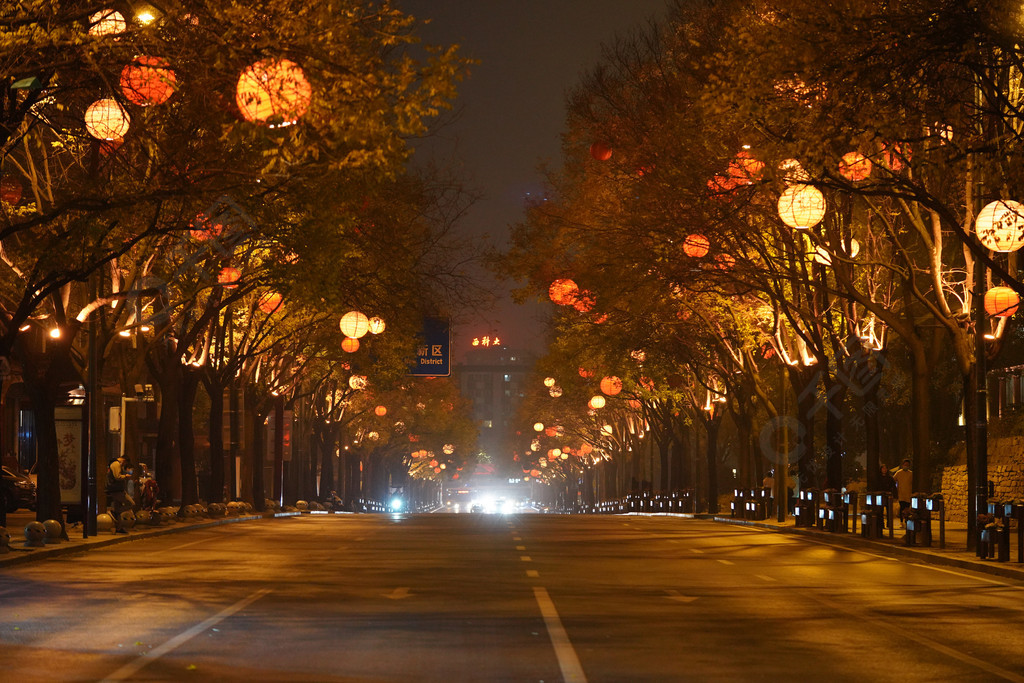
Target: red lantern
<point x="203" y="228"/>
<point x="534" y="473"/>
<point x="721" y="186"/>
<point x="455" y="476"/>
<point x="895" y="155"/>
<point x="611" y="385"/>
<point x="724" y="262"/>
<point x="273" y="91"/>
<point x="10" y="190"/>
<point x="551" y="431"/>
<point x="148" y="80"/>
<point x="437" y="470"/>
<point x="696" y="246"/>
<point x="586" y="374"/>
<point x="600" y="151"/>
<point x="563" y="291"/>
<point x="270" y="302"/>
<point x="349" y="345"/>
<point x="229" y="276"/>
<point x="1001" y="302"/>
<point x="745" y="169"/>
<point x="584" y="301"/>
<point x="854" y="166"/>
<point x="380" y="411"/>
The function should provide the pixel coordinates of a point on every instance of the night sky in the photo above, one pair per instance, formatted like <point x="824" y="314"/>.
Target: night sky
<point x="511" y="113"/>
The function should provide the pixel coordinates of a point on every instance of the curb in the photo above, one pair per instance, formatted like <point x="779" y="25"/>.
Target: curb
<point x="67" y="548"/>
<point x="1001" y="569"/>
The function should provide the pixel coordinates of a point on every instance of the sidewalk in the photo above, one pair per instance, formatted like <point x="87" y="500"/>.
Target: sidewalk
<point x="18" y="553"/>
<point x="955" y="553"/>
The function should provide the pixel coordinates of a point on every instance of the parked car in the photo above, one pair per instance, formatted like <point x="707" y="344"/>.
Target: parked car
<point x="16" y="491"/>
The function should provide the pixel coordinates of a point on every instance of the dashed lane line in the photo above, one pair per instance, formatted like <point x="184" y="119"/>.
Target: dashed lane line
<point x="568" y="661"/>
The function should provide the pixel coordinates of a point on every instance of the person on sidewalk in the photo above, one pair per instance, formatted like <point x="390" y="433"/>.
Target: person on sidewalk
<point x="904" y="478"/>
<point x="886" y="484"/>
<point x="118" y="475"/>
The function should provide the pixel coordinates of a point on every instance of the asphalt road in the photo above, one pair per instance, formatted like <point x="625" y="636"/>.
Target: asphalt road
<point x="492" y="598"/>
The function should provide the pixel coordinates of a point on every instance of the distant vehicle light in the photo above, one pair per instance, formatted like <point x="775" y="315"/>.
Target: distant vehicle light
<point x="396" y="504"/>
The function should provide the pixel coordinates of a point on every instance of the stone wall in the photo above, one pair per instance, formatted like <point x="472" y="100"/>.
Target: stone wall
<point x="1005" y="471"/>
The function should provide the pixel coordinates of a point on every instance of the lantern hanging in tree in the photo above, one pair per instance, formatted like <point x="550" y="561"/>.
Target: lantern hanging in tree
<point x="823" y="256"/>
<point x="745" y="169"/>
<point x="792" y="172"/>
<point x="273" y="91"/>
<point x="354" y="324"/>
<point x="106" y="22"/>
<point x="375" y="325"/>
<point x="204" y="228"/>
<point x="270" y="302"/>
<point x="597" y="402"/>
<point x="10" y="190"/>
<point x="563" y="291"/>
<point x="1000" y="226"/>
<point x="725" y="262"/>
<point x="801" y="206"/>
<point x="895" y="155"/>
<point x="549" y="382"/>
<point x="696" y="246"/>
<point x="380" y="411"/>
<point x="106" y="120"/>
<point x="611" y="385"/>
<point x="148" y="80"/>
<point x="349" y="345"/>
<point x="600" y="151"/>
<point x="229" y="276"/>
<point x="555" y="391"/>
<point x="584" y="301"/>
<point x="357" y="382"/>
<point x="1001" y="302"/>
<point x="854" y="166"/>
<point x="538" y="426"/>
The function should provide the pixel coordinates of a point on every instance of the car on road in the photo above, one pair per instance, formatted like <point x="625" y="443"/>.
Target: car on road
<point x="16" y="491"/>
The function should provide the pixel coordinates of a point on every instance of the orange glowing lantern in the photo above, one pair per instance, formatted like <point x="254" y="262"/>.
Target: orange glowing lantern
<point x="611" y="385"/>
<point x="895" y="155"/>
<point x="745" y="169"/>
<point x="563" y="291"/>
<point x="229" y="276"/>
<point x="721" y="186"/>
<point x="148" y="80"/>
<point x="534" y="473"/>
<point x="203" y="228"/>
<point x="551" y="431"/>
<point x="725" y="262"/>
<point x="600" y="151"/>
<point x="270" y="302"/>
<point x="10" y="190"/>
<point x="1000" y="226"/>
<point x="801" y="206"/>
<point x="584" y="301"/>
<point x="1001" y="302"/>
<point x="349" y="345"/>
<point x="354" y="324"/>
<point x="696" y="246"/>
<point x="380" y="411"/>
<point x="854" y="166"/>
<point x="106" y="120"/>
<point x="585" y="374"/>
<point x="273" y="91"/>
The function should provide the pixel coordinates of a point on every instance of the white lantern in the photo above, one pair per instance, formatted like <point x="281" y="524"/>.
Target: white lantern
<point x="555" y="391"/>
<point x="357" y="382"/>
<point x="538" y="426"/>
<point x="375" y="325"/>
<point x="597" y="402"/>
<point x="354" y="324"/>
<point x="106" y="120"/>
<point x="801" y="206"/>
<point x="549" y="382"/>
<point x="1000" y="226"/>
<point x="106" y="22"/>
<point x="607" y="430"/>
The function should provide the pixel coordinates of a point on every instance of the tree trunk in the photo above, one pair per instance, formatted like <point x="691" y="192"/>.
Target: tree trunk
<point x="187" y="436"/>
<point x="711" y="456"/>
<point x="216" y="393"/>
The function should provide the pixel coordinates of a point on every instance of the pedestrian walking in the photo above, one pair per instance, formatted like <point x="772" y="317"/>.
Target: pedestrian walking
<point x="118" y="475"/>
<point x="886" y="484"/>
<point x="904" y="479"/>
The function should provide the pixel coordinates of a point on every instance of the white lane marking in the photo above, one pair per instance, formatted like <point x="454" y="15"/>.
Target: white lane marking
<point x="724" y="561"/>
<point x="694" y="550"/>
<point x="131" y="668"/>
<point x="517" y="538"/>
<point x="678" y="597"/>
<point x="970" y="576"/>
<point x="568" y="662"/>
<point x="526" y="558"/>
<point x="763" y="577"/>
<point x="520" y="547"/>
<point x="532" y="573"/>
<point x="398" y="594"/>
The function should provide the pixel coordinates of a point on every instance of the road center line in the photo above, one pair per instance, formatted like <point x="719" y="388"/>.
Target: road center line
<point x="133" y="667"/>
<point x="568" y="662"/>
<point x="185" y="545"/>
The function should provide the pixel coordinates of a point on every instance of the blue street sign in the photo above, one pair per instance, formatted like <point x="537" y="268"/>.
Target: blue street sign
<point x="433" y="356"/>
